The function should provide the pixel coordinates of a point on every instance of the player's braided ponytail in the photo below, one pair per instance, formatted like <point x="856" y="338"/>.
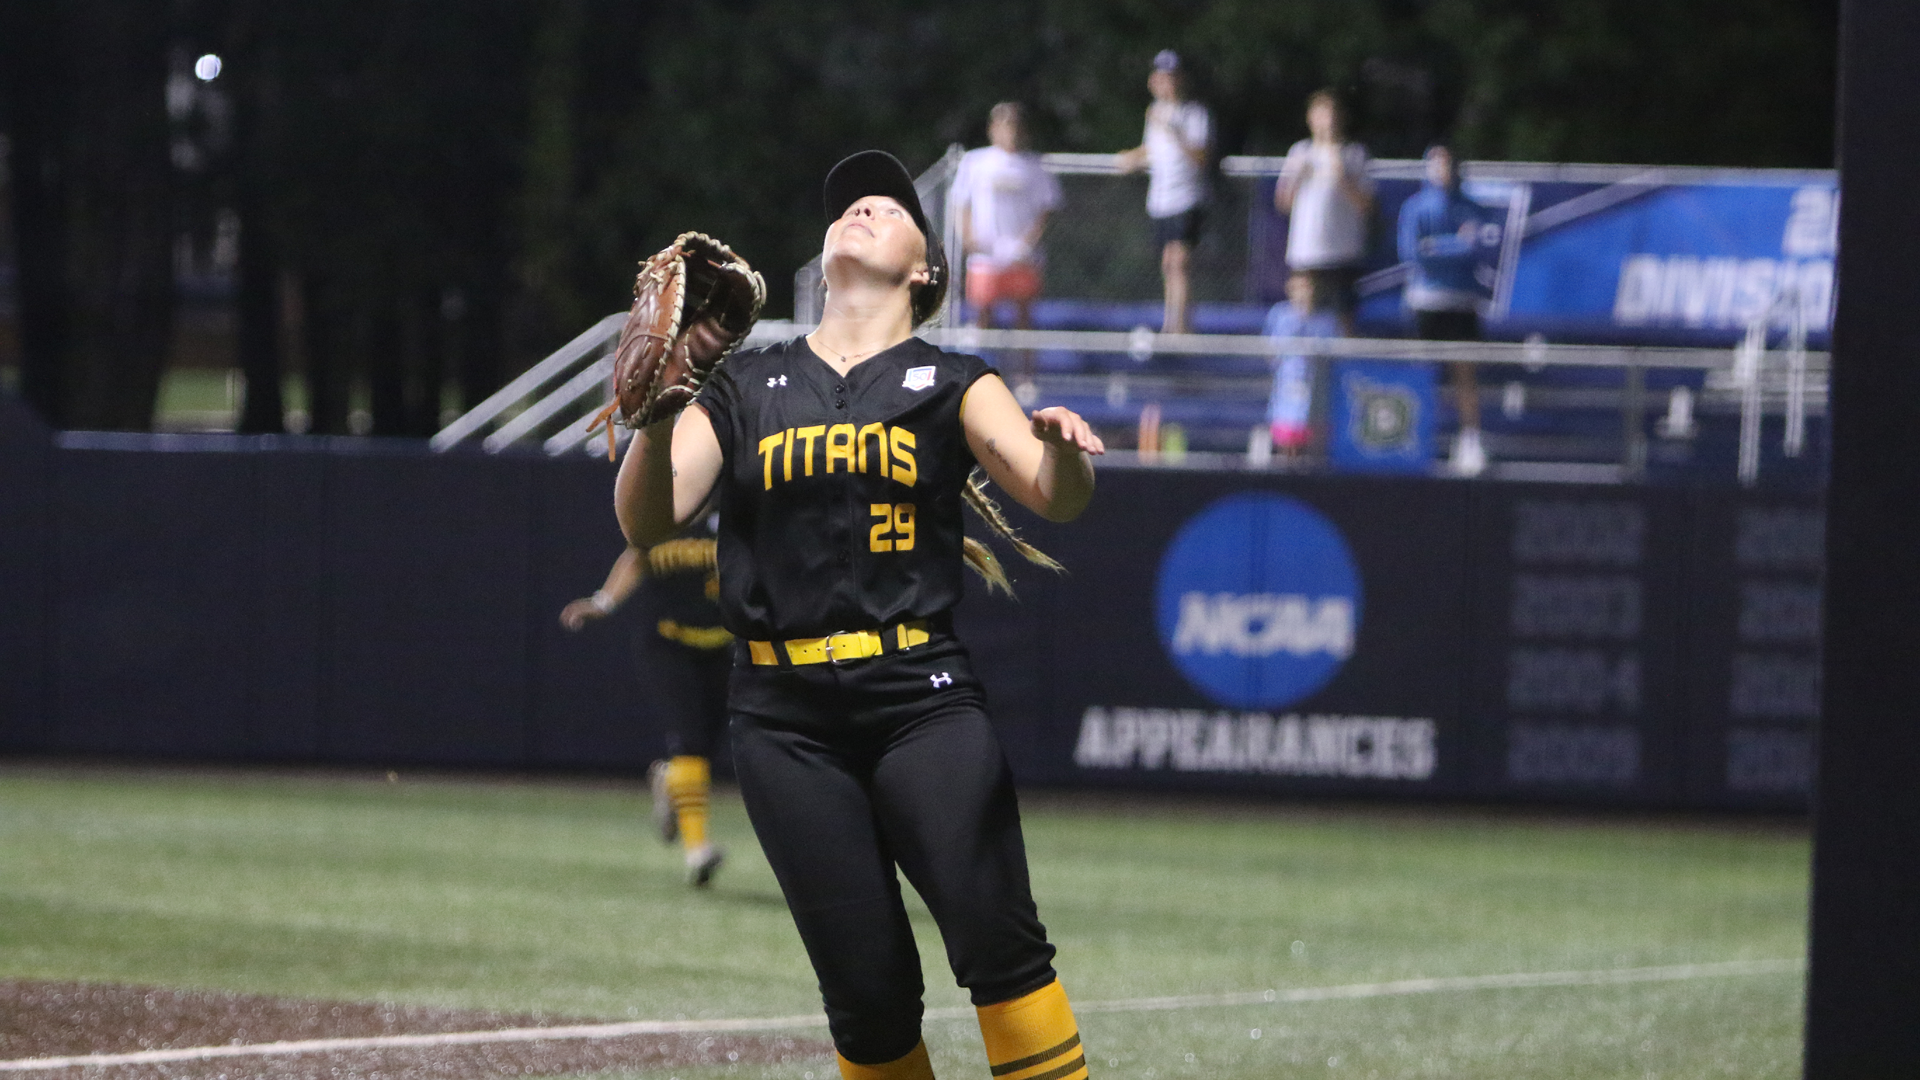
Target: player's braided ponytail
<point x="980" y="556"/>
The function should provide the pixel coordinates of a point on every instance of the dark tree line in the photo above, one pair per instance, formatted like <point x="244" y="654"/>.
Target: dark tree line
<point x="91" y="191"/>
<point x="439" y="190"/>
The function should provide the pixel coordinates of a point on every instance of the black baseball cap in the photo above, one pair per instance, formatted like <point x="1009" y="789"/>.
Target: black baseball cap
<point x="875" y="172"/>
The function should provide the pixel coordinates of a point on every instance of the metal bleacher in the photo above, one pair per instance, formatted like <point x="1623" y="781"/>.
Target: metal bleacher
<point x="1586" y="412"/>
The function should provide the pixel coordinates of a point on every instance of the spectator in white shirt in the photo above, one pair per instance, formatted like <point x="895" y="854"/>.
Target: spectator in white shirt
<point x="1327" y="196"/>
<point x="1173" y="150"/>
<point x="1002" y="197"/>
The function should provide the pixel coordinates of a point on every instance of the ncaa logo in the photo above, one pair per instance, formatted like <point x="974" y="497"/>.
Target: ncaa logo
<point x="1258" y="602"/>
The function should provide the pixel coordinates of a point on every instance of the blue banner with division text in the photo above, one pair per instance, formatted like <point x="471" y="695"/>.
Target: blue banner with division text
<point x="1681" y="256"/>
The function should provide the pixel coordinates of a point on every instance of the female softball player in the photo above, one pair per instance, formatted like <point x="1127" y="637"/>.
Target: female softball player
<point x="860" y="736"/>
<point x="682" y="657"/>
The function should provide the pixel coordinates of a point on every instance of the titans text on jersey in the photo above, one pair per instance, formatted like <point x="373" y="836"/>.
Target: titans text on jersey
<point x="840" y="498"/>
<point x="841" y="445"/>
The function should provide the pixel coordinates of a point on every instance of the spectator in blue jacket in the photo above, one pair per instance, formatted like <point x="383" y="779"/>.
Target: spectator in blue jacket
<point x="1442" y="237"/>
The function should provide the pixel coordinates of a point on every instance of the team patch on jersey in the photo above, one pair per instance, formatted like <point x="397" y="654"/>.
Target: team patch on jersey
<point x="918" y="378"/>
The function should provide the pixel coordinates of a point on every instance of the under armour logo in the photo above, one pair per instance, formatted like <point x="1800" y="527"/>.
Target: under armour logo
<point x="940" y="680"/>
<point x="777" y="380"/>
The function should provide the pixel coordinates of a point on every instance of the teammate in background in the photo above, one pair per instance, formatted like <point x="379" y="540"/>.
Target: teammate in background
<point x="860" y="734"/>
<point x="1440" y="241"/>
<point x="1002" y="198"/>
<point x="1290" y="409"/>
<point x="1174" y="152"/>
<point x="683" y="661"/>
<point x="1327" y="196"/>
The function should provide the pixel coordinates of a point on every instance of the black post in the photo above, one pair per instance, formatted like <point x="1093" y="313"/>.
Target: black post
<point x="1863" y="997"/>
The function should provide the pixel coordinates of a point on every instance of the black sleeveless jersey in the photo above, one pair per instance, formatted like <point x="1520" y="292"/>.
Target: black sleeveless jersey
<point x="840" y="497"/>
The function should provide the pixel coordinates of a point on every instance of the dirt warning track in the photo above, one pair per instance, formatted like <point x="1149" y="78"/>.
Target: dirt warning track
<point x="50" y="1029"/>
<point x="65" y="1019"/>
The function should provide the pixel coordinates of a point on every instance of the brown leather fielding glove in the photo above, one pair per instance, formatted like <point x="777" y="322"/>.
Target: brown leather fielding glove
<point x="694" y="303"/>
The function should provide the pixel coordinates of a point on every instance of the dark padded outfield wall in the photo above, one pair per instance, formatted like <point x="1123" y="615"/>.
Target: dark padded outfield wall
<point x="1753" y="650"/>
<point x="363" y="601"/>
<point x="1863" y="996"/>
<point x="588" y="710"/>
<point x="427" y="617"/>
<point x="287" y="604"/>
<point x="1545" y="643"/>
<point x="191" y="597"/>
<point x="153" y="573"/>
<point x="317" y="600"/>
<point x="1220" y="632"/>
<point x="1576" y="678"/>
<point x="25" y="456"/>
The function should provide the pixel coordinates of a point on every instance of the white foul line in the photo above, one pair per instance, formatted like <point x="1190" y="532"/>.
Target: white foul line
<point x="1399" y="987"/>
<point x="445" y="1038"/>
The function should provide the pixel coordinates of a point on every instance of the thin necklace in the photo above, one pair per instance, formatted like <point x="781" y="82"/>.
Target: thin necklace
<point x="844" y="358"/>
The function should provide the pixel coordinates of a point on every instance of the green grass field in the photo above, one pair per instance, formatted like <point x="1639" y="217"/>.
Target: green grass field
<point x="554" y="897"/>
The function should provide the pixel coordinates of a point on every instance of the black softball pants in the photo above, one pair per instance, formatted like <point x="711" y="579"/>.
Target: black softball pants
<point x="687" y="690"/>
<point x="840" y="801"/>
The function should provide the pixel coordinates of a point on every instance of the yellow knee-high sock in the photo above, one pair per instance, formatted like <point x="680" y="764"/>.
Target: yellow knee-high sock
<point x="913" y="1066"/>
<point x="688" y="780"/>
<point x="1033" y="1037"/>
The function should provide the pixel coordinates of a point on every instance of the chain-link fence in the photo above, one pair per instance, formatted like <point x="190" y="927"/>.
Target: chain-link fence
<point x="1099" y="245"/>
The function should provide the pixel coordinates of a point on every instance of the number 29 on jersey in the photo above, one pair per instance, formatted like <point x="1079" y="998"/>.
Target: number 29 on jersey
<point x="892" y="528"/>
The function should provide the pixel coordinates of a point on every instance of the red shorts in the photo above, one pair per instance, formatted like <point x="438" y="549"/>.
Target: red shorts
<point x="1291" y="436"/>
<point x="1019" y="282"/>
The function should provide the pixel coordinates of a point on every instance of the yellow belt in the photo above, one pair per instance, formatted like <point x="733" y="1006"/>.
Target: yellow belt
<point x="698" y="637"/>
<point x="839" y="648"/>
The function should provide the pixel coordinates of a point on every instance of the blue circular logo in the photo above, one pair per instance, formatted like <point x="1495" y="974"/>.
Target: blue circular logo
<point x="1258" y="601"/>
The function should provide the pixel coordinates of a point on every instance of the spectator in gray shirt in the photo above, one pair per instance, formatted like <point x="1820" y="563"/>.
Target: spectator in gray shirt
<point x="1327" y="196"/>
